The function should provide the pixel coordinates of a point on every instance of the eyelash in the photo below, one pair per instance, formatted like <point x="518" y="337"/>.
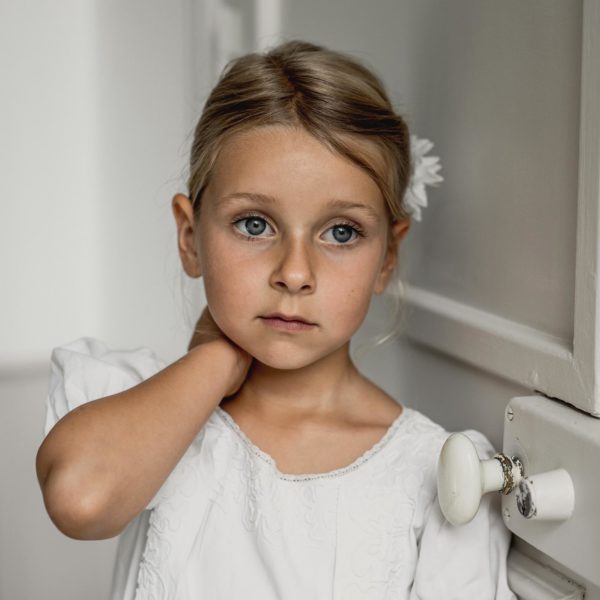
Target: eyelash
<point x="254" y="238"/>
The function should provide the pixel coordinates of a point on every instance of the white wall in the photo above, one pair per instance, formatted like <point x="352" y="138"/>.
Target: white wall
<point x="50" y="248"/>
<point x="97" y="104"/>
<point x="99" y="100"/>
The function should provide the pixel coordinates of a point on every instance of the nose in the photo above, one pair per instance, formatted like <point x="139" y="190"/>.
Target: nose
<point x="294" y="270"/>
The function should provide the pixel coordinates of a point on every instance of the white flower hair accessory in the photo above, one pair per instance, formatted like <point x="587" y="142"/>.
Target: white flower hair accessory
<point x="424" y="172"/>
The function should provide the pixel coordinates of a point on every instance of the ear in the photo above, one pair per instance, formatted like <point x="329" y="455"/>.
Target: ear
<point x="398" y="229"/>
<point x="184" y="218"/>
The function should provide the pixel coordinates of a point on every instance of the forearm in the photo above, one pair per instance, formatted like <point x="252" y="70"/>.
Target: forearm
<point x="104" y="461"/>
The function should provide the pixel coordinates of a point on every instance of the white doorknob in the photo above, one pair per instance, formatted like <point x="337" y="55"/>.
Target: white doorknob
<point x="462" y="479"/>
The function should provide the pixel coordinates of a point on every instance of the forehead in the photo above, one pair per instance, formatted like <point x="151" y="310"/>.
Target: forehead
<point x="288" y="161"/>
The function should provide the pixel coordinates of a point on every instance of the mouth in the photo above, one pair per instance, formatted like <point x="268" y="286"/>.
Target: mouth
<point x="283" y="322"/>
<point x="288" y="318"/>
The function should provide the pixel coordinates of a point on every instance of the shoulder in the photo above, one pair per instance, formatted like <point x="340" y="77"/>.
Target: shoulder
<point x="414" y="449"/>
<point x="88" y="368"/>
<point x="95" y="353"/>
<point x="418" y="435"/>
<point x="416" y="442"/>
<point x="426" y="437"/>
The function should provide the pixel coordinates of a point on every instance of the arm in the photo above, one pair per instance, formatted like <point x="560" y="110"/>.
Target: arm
<point x="102" y="463"/>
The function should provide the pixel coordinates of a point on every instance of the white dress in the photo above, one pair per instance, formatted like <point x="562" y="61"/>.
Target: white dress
<point x="227" y="524"/>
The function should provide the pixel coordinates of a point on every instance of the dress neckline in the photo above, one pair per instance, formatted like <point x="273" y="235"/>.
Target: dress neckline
<point x="364" y="457"/>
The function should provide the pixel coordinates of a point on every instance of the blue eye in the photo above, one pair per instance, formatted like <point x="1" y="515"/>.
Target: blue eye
<point x="254" y="225"/>
<point x="342" y="232"/>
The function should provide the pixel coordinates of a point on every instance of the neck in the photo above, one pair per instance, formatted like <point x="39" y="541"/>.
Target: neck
<point x="321" y="389"/>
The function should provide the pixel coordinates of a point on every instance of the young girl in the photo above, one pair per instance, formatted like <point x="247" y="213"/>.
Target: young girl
<point x="262" y="464"/>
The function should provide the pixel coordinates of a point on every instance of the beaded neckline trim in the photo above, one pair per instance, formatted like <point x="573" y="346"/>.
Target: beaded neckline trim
<point x="228" y="419"/>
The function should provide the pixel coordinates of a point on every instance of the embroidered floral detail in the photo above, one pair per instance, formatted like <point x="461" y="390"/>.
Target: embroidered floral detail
<point x="381" y="561"/>
<point x="380" y="556"/>
<point x="258" y="495"/>
<point x="319" y="514"/>
<point x="150" y="583"/>
<point x="156" y="579"/>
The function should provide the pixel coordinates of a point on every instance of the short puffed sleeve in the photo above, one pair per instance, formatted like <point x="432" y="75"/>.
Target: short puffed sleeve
<point x="87" y="369"/>
<point x="465" y="561"/>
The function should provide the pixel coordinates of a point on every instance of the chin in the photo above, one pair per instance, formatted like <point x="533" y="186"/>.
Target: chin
<point x="288" y="361"/>
<point x="285" y="365"/>
<point x="281" y="356"/>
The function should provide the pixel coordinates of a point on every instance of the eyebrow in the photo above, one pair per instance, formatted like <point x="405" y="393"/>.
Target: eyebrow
<point x="331" y="203"/>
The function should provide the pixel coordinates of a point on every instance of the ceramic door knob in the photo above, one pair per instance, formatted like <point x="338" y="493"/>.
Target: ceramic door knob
<point x="462" y="478"/>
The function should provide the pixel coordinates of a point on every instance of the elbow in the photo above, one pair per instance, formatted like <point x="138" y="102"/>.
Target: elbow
<point x="76" y="521"/>
<point x="75" y="513"/>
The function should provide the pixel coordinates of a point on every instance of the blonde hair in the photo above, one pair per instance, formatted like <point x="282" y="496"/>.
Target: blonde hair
<point x="331" y="95"/>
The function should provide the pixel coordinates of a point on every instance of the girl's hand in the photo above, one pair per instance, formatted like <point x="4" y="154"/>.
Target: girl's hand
<point x="207" y="331"/>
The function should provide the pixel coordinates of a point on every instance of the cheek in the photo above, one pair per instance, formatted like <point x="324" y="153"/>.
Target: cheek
<point x="227" y="287"/>
<point x="348" y="290"/>
<point x="229" y="280"/>
<point x="227" y="304"/>
<point x="350" y="304"/>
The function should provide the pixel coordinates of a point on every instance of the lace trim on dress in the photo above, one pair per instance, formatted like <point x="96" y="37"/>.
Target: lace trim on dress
<point x="400" y="419"/>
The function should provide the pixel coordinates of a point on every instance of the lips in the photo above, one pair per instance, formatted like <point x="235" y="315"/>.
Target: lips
<point x="288" y="318"/>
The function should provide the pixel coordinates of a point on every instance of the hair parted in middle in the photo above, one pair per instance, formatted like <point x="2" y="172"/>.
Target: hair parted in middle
<point x="331" y="95"/>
